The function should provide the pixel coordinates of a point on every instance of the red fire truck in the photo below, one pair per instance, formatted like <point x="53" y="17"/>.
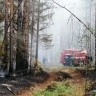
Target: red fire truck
<point x="73" y="56"/>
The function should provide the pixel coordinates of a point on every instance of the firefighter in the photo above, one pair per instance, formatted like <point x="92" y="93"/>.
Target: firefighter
<point x="67" y="60"/>
<point x="72" y="60"/>
<point x="44" y="61"/>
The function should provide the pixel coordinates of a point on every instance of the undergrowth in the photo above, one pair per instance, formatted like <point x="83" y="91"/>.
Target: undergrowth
<point x="65" y="88"/>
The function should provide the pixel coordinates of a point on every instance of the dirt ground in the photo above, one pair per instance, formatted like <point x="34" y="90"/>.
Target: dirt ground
<point x="26" y="85"/>
<point x="59" y="75"/>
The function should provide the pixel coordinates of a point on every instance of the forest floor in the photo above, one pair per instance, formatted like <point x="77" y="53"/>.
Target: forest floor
<point x="27" y="85"/>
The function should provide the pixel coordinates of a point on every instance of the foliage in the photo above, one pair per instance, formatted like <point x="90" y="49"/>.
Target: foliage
<point x="89" y="85"/>
<point x="65" y="88"/>
<point x="95" y="92"/>
<point x="84" y="35"/>
<point x="1" y="32"/>
<point x="1" y="51"/>
<point x="2" y="15"/>
<point x="17" y="36"/>
<point x="44" y="10"/>
<point x="46" y="40"/>
<point x="37" y="67"/>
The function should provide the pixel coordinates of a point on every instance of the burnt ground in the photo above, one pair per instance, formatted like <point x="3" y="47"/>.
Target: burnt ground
<point x="14" y="86"/>
<point x="26" y="85"/>
<point x="59" y="75"/>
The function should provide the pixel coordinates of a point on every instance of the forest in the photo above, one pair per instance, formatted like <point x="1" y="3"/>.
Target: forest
<point x="31" y="42"/>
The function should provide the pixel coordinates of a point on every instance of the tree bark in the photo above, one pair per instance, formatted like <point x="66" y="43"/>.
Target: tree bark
<point x="11" y="37"/>
<point x="22" y="37"/>
<point x="95" y="34"/>
<point x="20" y="40"/>
<point x="26" y="32"/>
<point x="37" y="38"/>
<point x="32" y="32"/>
<point x="5" y="58"/>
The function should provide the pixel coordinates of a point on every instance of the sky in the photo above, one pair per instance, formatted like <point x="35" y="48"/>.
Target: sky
<point x="66" y="30"/>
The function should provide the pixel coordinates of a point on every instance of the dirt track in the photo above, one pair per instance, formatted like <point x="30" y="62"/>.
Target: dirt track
<point x="77" y="77"/>
<point x="26" y="85"/>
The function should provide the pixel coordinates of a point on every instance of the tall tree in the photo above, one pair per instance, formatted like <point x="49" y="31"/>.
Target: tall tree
<point x="22" y="36"/>
<point x="32" y="31"/>
<point x="11" y="38"/>
<point x="26" y="32"/>
<point x="5" y="41"/>
<point x="95" y="34"/>
<point x="20" y="39"/>
<point x="43" y="14"/>
<point x="37" y="37"/>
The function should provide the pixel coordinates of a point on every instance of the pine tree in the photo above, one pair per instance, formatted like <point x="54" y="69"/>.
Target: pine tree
<point x="26" y="32"/>
<point x="31" y="26"/>
<point x="42" y="15"/>
<point x="11" y="38"/>
<point x="5" y="41"/>
<point x="22" y="36"/>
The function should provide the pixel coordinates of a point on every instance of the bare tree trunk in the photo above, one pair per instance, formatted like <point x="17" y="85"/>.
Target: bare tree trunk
<point x="89" y="32"/>
<point x="38" y="17"/>
<point x="11" y="36"/>
<point x="26" y="32"/>
<point x="95" y="34"/>
<point x="5" y="59"/>
<point x="32" y="31"/>
<point x="20" y="39"/>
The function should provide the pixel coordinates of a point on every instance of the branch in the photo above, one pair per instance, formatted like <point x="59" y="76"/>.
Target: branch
<point x="75" y="17"/>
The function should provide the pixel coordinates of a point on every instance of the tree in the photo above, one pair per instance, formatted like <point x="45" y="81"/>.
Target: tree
<point x="5" y="41"/>
<point x="20" y="39"/>
<point x="32" y="30"/>
<point x="42" y="14"/>
<point x="95" y="34"/>
<point x="37" y="37"/>
<point x="26" y="32"/>
<point x="16" y="35"/>
<point x="11" y="40"/>
<point x="39" y="15"/>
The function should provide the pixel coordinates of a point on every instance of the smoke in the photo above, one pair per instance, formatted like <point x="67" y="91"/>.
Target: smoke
<point x="66" y="33"/>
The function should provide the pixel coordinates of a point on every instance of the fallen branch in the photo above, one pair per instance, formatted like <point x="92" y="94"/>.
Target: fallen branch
<point x="11" y="91"/>
<point x="75" y="17"/>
